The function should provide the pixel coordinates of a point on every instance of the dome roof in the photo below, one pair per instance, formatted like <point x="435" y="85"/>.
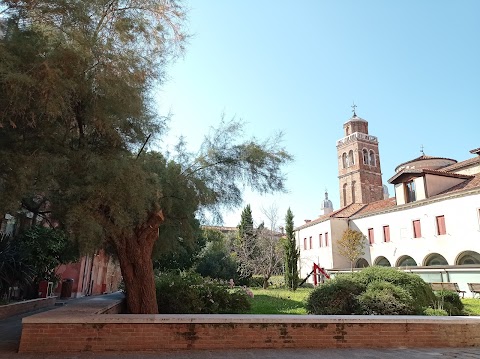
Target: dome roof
<point x="426" y="162"/>
<point x="326" y="203"/>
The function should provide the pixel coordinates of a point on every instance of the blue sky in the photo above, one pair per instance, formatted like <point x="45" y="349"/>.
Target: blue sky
<point x="412" y="68"/>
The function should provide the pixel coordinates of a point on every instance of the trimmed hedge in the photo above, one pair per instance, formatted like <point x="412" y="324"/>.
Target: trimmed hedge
<point x="450" y="302"/>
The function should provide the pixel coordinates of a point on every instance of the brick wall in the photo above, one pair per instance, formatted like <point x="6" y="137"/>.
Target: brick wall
<point x="164" y="332"/>
<point x="12" y="309"/>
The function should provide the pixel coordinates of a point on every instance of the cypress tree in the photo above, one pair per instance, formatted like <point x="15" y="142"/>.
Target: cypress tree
<point x="291" y="253"/>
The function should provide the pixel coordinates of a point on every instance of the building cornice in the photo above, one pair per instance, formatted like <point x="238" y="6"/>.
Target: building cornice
<point x="420" y="203"/>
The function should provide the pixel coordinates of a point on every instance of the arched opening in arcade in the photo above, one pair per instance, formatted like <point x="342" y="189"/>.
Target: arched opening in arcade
<point x="382" y="262"/>
<point x="406" y="261"/>
<point x="435" y="259"/>
<point x="468" y="257"/>
<point x="361" y="263"/>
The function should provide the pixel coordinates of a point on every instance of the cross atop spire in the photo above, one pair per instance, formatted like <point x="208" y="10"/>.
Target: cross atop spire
<point x="354" y="108"/>
<point x="421" y="150"/>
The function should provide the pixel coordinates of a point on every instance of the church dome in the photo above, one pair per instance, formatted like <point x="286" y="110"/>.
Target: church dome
<point x="426" y="162"/>
<point x="327" y="205"/>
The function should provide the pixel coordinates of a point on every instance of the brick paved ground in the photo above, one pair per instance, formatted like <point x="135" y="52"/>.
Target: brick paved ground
<point x="10" y="330"/>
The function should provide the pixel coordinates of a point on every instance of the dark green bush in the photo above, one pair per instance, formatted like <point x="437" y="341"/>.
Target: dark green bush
<point x="385" y="298"/>
<point x="336" y="296"/>
<point x="419" y="290"/>
<point x="450" y="302"/>
<point x="190" y="293"/>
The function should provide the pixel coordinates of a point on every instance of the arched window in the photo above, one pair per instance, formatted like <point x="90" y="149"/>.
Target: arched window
<point x="468" y="257"/>
<point x="344" y="194"/>
<point x="344" y="160"/>
<point x="372" y="161"/>
<point x="365" y="156"/>
<point x="406" y="261"/>
<point x="435" y="259"/>
<point x="382" y="262"/>
<point x="351" y="159"/>
<point x="361" y="263"/>
<point x="353" y="191"/>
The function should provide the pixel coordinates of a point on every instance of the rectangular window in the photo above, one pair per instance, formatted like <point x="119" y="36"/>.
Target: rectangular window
<point x="386" y="233"/>
<point x="410" y="191"/>
<point x="371" y="237"/>
<point x="326" y="239"/>
<point x="320" y="240"/>
<point x="305" y="243"/>
<point x="311" y="246"/>
<point x="441" y="229"/>
<point x="417" y="232"/>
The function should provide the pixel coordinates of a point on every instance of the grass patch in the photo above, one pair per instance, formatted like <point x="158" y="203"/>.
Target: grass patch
<point x="472" y="306"/>
<point x="279" y="301"/>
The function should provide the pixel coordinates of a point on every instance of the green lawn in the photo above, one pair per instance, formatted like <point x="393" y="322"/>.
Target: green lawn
<point x="282" y="301"/>
<point x="472" y="306"/>
<point x="279" y="301"/>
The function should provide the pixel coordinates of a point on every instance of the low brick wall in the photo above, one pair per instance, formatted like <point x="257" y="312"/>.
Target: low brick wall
<point x="25" y="306"/>
<point x="117" y="332"/>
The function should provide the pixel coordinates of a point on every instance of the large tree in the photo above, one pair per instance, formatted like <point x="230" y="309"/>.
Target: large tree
<point x="259" y="251"/>
<point x="291" y="253"/>
<point x="75" y="111"/>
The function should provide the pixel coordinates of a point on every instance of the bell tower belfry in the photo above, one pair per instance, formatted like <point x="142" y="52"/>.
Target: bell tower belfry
<point x="359" y="173"/>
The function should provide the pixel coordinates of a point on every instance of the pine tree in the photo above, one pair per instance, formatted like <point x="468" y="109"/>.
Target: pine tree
<point x="291" y="253"/>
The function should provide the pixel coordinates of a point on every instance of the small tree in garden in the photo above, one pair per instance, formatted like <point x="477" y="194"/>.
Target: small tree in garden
<point x="351" y="245"/>
<point x="290" y="253"/>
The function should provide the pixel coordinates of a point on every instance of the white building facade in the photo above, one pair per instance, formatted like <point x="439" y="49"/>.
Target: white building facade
<point x="431" y="226"/>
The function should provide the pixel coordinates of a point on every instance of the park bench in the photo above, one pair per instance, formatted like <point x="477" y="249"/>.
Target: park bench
<point x="474" y="288"/>
<point x="447" y="286"/>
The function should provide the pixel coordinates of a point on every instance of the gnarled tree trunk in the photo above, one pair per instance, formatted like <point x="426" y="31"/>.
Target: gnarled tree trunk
<point x="135" y="256"/>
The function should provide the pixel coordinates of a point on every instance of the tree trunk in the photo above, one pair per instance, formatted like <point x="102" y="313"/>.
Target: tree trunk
<point x="135" y="257"/>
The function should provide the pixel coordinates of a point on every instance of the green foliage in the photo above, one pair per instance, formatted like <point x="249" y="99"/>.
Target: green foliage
<point x="336" y="296"/>
<point x="373" y="290"/>
<point x="417" y="288"/>
<point x="385" y="298"/>
<point x="14" y="270"/>
<point x="44" y="249"/>
<point x="449" y="301"/>
<point x="216" y="260"/>
<point x="189" y="293"/>
<point x="245" y="228"/>
<point x="291" y="253"/>
<point x="435" y="312"/>
<point x="351" y="245"/>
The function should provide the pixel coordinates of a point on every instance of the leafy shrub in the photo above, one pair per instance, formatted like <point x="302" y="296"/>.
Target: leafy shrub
<point x="336" y="296"/>
<point x="435" y="312"/>
<point x="190" y="293"/>
<point x="450" y="302"/>
<point x="420" y="291"/>
<point x="385" y="298"/>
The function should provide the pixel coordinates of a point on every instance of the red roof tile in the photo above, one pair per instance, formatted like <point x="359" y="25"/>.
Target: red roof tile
<point x="462" y="164"/>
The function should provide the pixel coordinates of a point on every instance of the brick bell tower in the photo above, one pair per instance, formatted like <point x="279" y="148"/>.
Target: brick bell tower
<point x="359" y="173"/>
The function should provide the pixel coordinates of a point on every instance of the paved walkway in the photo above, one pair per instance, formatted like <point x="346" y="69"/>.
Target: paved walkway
<point x="10" y="331"/>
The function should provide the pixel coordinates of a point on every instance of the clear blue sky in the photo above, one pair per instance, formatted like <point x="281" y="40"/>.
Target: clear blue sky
<point x="412" y="67"/>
